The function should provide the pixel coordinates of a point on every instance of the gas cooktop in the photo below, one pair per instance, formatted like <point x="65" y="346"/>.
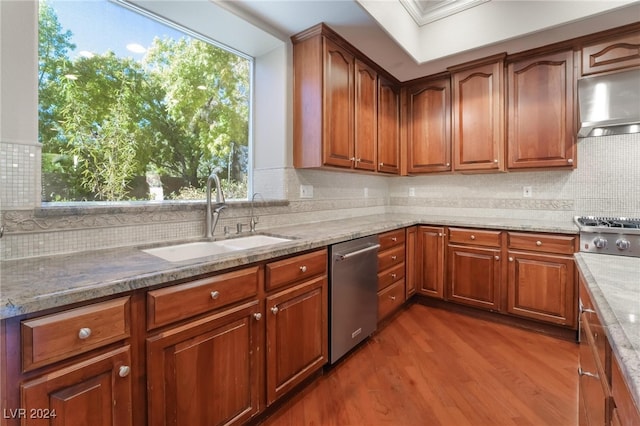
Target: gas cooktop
<point x="609" y="235"/>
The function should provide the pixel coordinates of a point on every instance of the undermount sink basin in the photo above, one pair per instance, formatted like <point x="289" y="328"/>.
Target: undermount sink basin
<point x="180" y="252"/>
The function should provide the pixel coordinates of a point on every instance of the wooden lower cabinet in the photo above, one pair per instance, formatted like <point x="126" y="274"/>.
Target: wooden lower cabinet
<point x="297" y="335"/>
<point x="430" y="264"/>
<point x="474" y="276"/>
<point x="542" y="287"/>
<point x="411" y="260"/>
<point x="206" y="372"/>
<point x="96" y="391"/>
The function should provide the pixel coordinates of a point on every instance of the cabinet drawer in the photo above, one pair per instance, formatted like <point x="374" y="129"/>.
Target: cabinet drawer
<point x="58" y="336"/>
<point x="391" y="238"/>
<point x="177" y="302"/>
<point x="474" y="236"/>
<point x="544" y="243"/>
<point x="391" y="275"/>
<point x="388" y="258"/>
<point x="296" y="268"/>
<point x="390" y="299"/>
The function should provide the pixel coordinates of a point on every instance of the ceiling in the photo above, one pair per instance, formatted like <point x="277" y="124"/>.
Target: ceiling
<point x="414" y="38"/>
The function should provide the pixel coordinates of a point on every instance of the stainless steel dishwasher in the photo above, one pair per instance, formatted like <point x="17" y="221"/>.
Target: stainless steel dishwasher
<point x="353" y="291"/>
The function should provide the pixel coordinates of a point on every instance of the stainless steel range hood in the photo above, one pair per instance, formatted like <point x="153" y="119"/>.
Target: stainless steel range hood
<point x="609" y="104"/>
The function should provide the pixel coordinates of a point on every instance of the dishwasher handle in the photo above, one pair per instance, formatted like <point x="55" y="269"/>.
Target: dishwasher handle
<point x="354" y="253"/>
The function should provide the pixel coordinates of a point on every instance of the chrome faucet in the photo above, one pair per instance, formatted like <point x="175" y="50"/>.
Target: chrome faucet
<point x="213" y="216"/>
<point x="254" y="219"/>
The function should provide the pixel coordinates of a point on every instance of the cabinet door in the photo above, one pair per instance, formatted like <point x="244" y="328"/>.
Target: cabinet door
<point x="366" y="131"/>
<point x="431" y="260"/>
<point x="412" y="261"/>
<point x="338" y="106"/>
<point x="617" y="53"/>
<point x="474" y="276"/>
<point x="388" y="127"/>
<point x="541" y="115"/>
<point x="593" y="389"/>
<point x="93" y="392"/>
<point x="478" y="117"/>
<point x="297" y="335"/>
<point x="429" y="127"/>
<point x="206" y="372"/>
<point x="542" y="287"/>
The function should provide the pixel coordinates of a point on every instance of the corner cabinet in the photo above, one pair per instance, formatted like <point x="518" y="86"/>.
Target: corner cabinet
<point x="541" y="115"/>
<point x="428" y="124"/>
<point x="346" y="115"/>
<point x="478" y="115"/>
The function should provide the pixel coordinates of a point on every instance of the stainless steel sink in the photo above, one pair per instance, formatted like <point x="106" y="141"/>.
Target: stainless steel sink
<point x="187" y="251"/>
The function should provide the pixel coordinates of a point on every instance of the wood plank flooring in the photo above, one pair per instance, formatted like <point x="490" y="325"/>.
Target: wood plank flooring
<point x="434" y="367"/>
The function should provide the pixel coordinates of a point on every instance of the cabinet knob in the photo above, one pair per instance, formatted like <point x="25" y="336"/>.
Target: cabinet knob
<point x="215" y="294"/>
<point x="303" y="268"/>
<point x="473" y="237"/>
<point x="570" y="161"/>
<point x="510" y="259"/>
<point x="440" y="234"/>
<point x="394" y="239"/>
<point x="538" y="243"/>
<point x="257" y="316"/>
<point x="381" y="164"/>
<point x="274" y="310"/>
<point x="393" y="276"/>
<point x="495" y="161"/>
<point x="394" y="257"/>
<point x="352" y="158"/>
<point x="448" y="164"/>
<point x="124" y="371"/>
<point x="496" y="257"/>
<point x="392" y="297"/>
<point x="84" y="333"/>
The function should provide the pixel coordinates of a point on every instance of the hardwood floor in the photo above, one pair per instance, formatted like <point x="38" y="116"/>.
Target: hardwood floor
<point x="434" y="367"/>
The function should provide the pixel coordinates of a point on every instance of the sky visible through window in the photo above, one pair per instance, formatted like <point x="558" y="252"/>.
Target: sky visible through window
<point x="100" y="25"/>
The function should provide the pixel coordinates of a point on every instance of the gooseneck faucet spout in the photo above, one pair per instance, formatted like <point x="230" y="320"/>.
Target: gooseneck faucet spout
<point x="213" y="214"/>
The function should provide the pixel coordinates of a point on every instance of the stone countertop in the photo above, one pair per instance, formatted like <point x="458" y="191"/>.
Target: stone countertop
<point x="32" y="285"/>
<point x="614" y="285"/>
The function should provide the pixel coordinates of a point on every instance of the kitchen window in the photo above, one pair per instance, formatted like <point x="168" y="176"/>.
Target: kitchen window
<point x="133" y="107"/>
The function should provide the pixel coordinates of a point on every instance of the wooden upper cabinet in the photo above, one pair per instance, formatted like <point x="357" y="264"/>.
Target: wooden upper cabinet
<point x="478" y="115"/>
<point x="388" y="146"/>
<point x="541" y="114"/>
<point x="366" y="131"/>
<point x="617" y="53"/>
<point x="428" y="121"/>
<point x="338" y="106"/>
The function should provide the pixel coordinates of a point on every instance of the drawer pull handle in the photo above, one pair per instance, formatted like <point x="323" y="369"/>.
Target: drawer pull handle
<point x="394" y="239"/>
<point x="440" y="234"/>
<point x="274" y="310"/>
<point x="392" y="297"/>
<point x="570" y="160"/>
<point x="124" y="371"/>
<point x="538" y="243"/>
<point x="257" y="316"/>
<point x="393" y="276"/>
<point x="497" y="257"/>
<point x="510" y="259"/>
<point x="215" y="294"/>
<point x="394" y="257"/>
<point x="84" y="333"/>
<point x="586" y="310"/>
<point x="581" y="372"/>
<point x="303" y="268"/>
<point x="473" y="237"/>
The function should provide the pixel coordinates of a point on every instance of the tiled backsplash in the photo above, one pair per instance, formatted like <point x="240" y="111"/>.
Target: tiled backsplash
<point x="606" y="182"/>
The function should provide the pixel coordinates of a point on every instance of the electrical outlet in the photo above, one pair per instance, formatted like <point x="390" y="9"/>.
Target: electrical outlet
<point x="306" y="191"/>
<point x="366" y="193"/>
<point x="412" y="192"/>
<point x="526" y="191"/>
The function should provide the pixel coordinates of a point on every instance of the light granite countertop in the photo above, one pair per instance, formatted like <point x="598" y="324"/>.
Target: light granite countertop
<point x="33" y="285"/>
<point x="614" y="285"/>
